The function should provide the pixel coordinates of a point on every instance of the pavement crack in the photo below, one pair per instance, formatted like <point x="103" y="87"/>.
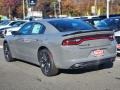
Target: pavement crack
<point x="109" y="72"/>
<point x="118" y="78"/>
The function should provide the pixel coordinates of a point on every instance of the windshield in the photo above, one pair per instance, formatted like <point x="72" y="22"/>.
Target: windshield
<point x="106" y="23"/>
<point x="17" y="23"/>
<point x="71" y="25"/>
<point x="101" y="24"/>
<point x="4" y="22"/>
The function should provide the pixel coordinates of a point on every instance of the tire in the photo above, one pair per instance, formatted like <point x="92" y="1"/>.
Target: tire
<point x="7" y="53"/>
<point x="47" y="65"/>
<point x="118" y="54"/>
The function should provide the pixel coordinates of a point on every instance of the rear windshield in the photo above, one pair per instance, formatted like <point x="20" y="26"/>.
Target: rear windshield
<point x="110" y="23"/>
<point x="17" y="23"/>
<point x="4" y="22"/>
<point x="71" y="25"/>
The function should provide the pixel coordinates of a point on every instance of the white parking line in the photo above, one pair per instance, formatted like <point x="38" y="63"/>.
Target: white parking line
<point x="1" y="46"/>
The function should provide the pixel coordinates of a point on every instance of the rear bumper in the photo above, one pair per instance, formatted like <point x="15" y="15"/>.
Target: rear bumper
<point x="92" y="63"/>
<point x="71" y="56"/>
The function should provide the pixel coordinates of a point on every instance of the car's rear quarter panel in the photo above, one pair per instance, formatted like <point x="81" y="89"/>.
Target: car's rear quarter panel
<point x="66" y="56"/>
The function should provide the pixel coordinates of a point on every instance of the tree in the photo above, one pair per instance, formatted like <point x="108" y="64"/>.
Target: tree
<point x="68" y="7"/>
<point x="11" y="6"/>
<point x="2" y="11"/>
<point x="45" y="7"/>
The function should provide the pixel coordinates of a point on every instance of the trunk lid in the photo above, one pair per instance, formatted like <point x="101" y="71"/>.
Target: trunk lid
<point x="88" y="39"/>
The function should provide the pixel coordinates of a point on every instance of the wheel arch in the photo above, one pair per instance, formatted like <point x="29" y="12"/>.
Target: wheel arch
<point x="54" y="70"/>
<point x="5" y="41"/>
<point x="41" y="48"/>
<point x="44" y="47"/>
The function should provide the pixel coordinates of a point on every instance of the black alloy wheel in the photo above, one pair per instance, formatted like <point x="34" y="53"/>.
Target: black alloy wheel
<point x="7" y="53"/>
<point x="46" y="63"/>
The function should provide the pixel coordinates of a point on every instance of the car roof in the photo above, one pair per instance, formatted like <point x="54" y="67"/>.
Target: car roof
<point x="92" y="19"/>
<point x="47" y="20"/>
<point x="115" y="17"/>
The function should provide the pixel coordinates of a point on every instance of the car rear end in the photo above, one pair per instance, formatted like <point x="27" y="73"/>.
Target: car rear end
<point x="85" y="47"/>
<point x="117" y="37"/>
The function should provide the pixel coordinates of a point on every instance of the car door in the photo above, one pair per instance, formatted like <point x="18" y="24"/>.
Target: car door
<point x="21" y="42"/>
<point x="33" y="41"/>
<point x="28" y="42"/>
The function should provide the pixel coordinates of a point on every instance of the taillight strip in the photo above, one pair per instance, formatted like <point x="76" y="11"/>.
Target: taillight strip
<point x="79" y="40"/>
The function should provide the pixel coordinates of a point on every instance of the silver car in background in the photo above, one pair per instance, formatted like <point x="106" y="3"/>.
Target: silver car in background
<point x="13" y="25"/>
<point x="60" y="44"/>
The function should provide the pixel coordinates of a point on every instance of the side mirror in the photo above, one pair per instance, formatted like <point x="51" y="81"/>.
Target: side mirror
<point x="15" y="33"/>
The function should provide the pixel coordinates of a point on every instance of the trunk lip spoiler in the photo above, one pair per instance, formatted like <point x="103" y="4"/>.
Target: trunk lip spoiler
<point x="78" y="32"/>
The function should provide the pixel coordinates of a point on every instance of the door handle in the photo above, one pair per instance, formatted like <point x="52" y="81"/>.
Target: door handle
<point x="30" y="40"/>
<point x="36" y="40"/>
<point x="26" y="40"/>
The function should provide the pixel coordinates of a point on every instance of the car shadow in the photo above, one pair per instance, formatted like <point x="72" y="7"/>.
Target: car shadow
<point x="77" y="71"/>
<point x="87" y="69"/>
<point x="27" y="63"/>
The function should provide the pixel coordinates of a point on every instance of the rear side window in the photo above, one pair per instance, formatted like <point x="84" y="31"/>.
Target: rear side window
<point x="4" y="22"/>
<point x="38" y="29"/>
<point x="71" y="25"/>
<point x="25" y="30"/>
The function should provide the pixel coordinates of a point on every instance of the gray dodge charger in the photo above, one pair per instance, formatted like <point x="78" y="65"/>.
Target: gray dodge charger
<point x="55" y="44"/>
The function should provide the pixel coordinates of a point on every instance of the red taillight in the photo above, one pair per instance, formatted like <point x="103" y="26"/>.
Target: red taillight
<point x="111" y="37"/>
<point x="72" y="41"/>
<point x="79" y="40"/>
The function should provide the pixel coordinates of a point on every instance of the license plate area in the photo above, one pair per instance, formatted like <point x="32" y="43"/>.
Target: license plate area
<point x="98" y="52"/>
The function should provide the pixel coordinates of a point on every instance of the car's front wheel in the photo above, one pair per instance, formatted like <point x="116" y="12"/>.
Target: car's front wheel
<point x="46" y="63"/>
<point x="7" y="53"/>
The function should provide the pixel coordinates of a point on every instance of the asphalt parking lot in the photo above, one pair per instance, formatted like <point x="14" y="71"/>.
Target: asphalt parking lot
<point x="19" y="75"/>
